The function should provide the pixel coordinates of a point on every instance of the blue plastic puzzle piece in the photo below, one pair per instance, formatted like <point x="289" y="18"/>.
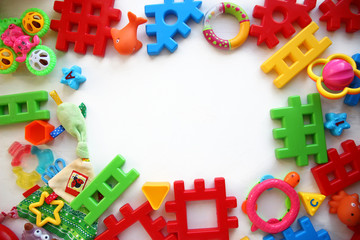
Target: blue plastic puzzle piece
<point x="53" y="169"/>
<point x="306" y="232"/>
<point x="72" y="77"/>
<point x="336" y="123"/>
<point x="165" y="32"/>
<point x="45" y="157"/>
<point x="352" y="100"/>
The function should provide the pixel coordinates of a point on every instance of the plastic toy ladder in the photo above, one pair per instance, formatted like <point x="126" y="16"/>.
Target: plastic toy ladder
<point x="11" y="107"/>
<point x="101" y="185"/>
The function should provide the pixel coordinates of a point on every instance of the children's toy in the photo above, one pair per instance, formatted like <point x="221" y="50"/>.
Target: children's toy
<point x="72" y="77"/>
<point x="336" y="123"/>
<point x="306" y="232"/>
<point x="311" y="201"/>
<point x="17" y="151"/>
<point x="337" y="74"/>
<point x="273" y="225"/>
<point x="101" y="184"/>
<point x="40" y="60"/>
<point x="295" y="55"/>
<point x="130" y="216"/>
<point x="352" y="100"/>
<point x="245" y="238"/>
<point x="291" y="11"/>
<point x="125" y="40"/>
<point x="347" y="208"/>
<point x="36" y="233"/>
<point x="38" y="132"/>
<point x="341" y="170"/>
<point x="85" y="23"/>
<point x="295" y="130"/>
<point x="72" y="226"/>
<point x="39" y="222"/>
<point x="53" y="169"/>
<point x="7" y="234"/>
<point x="23" y="107"/>
<point x="292" y="178"/>
<point x="155" y="193"/>
<point x="30" y="191"/>
<point x="165" y="32"/>
<point x="239" y="14"/>
<point x="200" y="193"/>
<point x="25" y="180"/>
<point x="340" y="12"/>
<point x="45" y="158"/>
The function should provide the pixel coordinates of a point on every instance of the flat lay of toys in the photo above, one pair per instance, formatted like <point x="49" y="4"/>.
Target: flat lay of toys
<point x="179" y="119"/>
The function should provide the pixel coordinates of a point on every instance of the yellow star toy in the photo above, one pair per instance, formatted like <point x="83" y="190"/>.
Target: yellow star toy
<point x="56" y="220"/>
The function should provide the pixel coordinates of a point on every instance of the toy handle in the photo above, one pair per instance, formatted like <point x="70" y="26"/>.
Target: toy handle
<point x="310" y="72"/>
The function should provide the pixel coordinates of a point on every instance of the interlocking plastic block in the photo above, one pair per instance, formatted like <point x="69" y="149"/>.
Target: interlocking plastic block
<point x="336" y="123"/>
<point x="155" y="193"/>
<point x="165" y="32"/>
<point x="296" y="132"/>
<point x="292" y="54"/>
<point x="23" y="107"/>
<point x="306" y="232"/>
<point x="352" y="100"/>
<point x="200" y="193"/>
<point x="341" y="170"/>
<point x="85" y="23"/>
<point x="38" y="132"/>
<point x="17" y="151"/>
<point x="292" y="12"/>
<point x="311" y="201"/>
<point x="340" y="12"/>
<point x="141" y="214"/>
<point x="101" y="184"/>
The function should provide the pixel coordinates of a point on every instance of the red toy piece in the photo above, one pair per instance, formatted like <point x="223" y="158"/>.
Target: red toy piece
<point x="7" y="234"/>
<point x="141" y="214"/>
<point x="51" y="197"/>
<point x="17" y="151"/>
<point x="85" y="23"/>
<point x="335" y="14"/>
<point x="292" y="12"/>
<point x="199" y="193"/>
<point x="338" y="166"/>
<point x="27" y="193"/>
<point x="356" y="231"/>
<point x="38" y="132"/>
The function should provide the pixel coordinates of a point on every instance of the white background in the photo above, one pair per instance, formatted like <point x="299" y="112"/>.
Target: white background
<point x="197" y="113"/>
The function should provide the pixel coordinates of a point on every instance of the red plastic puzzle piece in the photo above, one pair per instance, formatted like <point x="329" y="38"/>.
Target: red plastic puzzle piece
<point x="335" y="14"/>
<point x="223" y="203"/>
<point x="17" y="151"/>
<point x="292" y="12"/>
<point x="85" y="23"/>
<point x="141" y="214"/>
<point x="345" y="169"/>
<point x="27" y="193"/>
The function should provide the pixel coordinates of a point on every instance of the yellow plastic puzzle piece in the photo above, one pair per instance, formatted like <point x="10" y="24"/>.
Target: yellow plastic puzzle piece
<point x="155" y="193"/>
<point x="293" y="52"/>
<point x="26" y="180"/>
<point x="311" y="201"/>
<point x="56" y="220"/>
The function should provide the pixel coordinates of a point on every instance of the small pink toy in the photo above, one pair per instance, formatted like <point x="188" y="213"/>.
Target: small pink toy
<point x="338" y="74"/>
<point x="347" y="207"/>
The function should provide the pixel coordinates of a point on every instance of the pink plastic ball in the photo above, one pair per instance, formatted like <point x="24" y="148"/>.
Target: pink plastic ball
<point x="337" y="74"/>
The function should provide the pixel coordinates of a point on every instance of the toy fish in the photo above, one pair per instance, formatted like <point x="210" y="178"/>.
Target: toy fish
<point x="125" y="40"/>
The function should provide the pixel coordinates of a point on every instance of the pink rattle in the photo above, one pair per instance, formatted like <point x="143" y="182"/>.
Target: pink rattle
<point x="273" y="225"/>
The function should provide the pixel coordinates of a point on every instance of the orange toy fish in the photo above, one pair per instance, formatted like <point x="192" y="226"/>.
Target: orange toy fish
<point x="125" y="40"/>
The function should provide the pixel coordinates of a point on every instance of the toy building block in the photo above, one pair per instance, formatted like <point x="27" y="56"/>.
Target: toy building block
<point x="311" y="201"/>
<point x="340" y="12"/>
<point x="293" y="52"/>
<point x="292" y="11"/>
<point x="199" y="193"/>
<point x="306" y="232"/>
<point x="141" y="214"/>
<point x="85" y="23"/>
<point x="336" y="123"/>
<point x="165" y="32"/>
<point x="101" y="184"/>
<point x="17" y="151"/>
<point x="23" y="107"/>
<point x="38" y="132"/>
<point x="72" y="77"/>
<point x="295" y="131"/>
<point x="155" y="193"/>
<point x="344" y="168"/>
<point x="352" y="100"/>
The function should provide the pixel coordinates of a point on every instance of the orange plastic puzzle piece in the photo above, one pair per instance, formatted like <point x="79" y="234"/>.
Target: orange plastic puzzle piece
<point x="155" y="193"/>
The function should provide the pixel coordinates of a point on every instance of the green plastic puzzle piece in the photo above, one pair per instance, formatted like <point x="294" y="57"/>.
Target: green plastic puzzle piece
<point x="23" y="107"/>
<point x="104" y="184"/>
<point x="302" y="130"/>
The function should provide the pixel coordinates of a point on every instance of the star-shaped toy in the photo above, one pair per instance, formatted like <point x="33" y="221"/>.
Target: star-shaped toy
<point x="56" y="220"/>
<point x="336" y="123"/>
<point x="72" y="77"/>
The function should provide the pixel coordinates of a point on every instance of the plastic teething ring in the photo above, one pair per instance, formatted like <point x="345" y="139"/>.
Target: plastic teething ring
<point x="241" y="16"/>
<point x="289" y="217"/>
